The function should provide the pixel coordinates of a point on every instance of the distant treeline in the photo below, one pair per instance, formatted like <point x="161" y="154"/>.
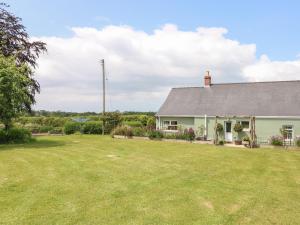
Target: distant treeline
<point x="83" y="114"/>
<point x="59" y="122"/>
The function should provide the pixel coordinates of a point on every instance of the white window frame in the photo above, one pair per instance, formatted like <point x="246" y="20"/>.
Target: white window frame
<point x="245" y="129"/>
<point x="168" y="123"/>
<point x="289" y="129"/>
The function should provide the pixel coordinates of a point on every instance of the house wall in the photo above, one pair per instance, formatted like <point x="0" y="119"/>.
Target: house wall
<point x="265" y="127"/>
<point x="185" y="122"/>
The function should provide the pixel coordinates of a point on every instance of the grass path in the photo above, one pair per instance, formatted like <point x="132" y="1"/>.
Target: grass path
<point x="99" y="180"/>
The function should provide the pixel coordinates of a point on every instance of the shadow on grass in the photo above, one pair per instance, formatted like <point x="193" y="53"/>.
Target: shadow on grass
<point x="36" y="144"/>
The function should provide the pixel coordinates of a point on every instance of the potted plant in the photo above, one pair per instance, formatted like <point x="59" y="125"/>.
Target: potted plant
<point x="218" y="129"/>
<point x="246" y="141"/>
<point x="238" y="129"/>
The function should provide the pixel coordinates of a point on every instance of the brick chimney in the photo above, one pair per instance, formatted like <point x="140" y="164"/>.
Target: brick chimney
<point x="207" y="79"/>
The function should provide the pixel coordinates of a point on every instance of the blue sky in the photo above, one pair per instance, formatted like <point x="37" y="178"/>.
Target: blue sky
<point x="152" y="46"/>
<point x="272" y="25"/>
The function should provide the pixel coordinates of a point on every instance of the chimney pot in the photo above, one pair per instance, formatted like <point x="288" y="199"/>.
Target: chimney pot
<point x="207" y="79"/>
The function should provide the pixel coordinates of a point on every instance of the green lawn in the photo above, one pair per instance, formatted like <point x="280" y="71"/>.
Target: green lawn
<point x="99" y="180"/>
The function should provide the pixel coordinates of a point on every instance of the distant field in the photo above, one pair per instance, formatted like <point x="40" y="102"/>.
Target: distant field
<point x="99" y="180"/>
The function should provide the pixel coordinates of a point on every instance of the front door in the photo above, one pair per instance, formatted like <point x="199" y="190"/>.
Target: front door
<point x="228" y="132"/>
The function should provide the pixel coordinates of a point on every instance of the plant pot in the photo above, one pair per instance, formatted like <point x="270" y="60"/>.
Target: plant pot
<point x="246" y="143"/>
<point x="237" y="142"/>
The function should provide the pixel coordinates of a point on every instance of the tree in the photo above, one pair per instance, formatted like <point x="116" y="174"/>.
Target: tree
<point x="18" y="58"/>
<point x="151" y="123"/>
<point x="15" y="42"/>
<point x="111" y="120"/>
<point x="16" y="89"/>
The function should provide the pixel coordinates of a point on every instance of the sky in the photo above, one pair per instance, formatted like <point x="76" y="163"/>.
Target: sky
<point x="151" y="46"/>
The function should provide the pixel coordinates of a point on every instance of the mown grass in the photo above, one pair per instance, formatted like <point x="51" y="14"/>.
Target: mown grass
<point x="99" y="180"/>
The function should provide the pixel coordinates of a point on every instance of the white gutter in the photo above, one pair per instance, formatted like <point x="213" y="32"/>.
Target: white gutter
<point x="205" y="125"/>
<point x="161" y="115"/>
<point x="159" y="122"/>
<point x="240" y="116"/>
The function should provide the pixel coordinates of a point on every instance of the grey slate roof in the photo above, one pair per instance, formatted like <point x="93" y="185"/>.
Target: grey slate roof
<point x="279" y="98"/>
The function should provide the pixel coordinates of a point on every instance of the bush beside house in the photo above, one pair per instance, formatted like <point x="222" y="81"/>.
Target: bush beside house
<point x="139" y="132"/>
<point x="127" y="131"/>
<point x="276" y="140"/>
<point x="155" y="134"/>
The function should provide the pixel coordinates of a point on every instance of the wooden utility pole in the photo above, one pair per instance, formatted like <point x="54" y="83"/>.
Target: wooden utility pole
<point x="103" y="88"/>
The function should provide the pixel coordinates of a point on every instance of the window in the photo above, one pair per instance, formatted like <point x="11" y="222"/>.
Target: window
<point x="288" y="132"/>
<point x="245" y="125"/>
<point x="166" y="123"/>
<point x="173" y="125"/>
<point x="228" y="127"/>
<point x="170" y="125"/>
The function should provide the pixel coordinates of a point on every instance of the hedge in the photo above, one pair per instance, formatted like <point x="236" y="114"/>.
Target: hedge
<point x="92" y="127"/>
<point x="133" y="123"/>
<point x="72" y="127"/>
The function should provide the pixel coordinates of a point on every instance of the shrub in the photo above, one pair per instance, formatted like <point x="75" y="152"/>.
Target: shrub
<point x="276" y="140"/>
<point x="92" y="128"/>
<point x="17" y="135"/>
<point x="181" y="136"/>
<point x="155" y="134"/>
<point x="128" y="132"/>
<point x="111" y="120"/>
<point x="133" y="123"/>
<point x="151" y="123"/>
<point x="238" y="128"/>
<point x="56" y="130"/>
<point x="33" y="128"/>
<point x="139" y="131"/>
<point x="189" y="134"/>
<point x="219" y="128"/>
<point x="45" y="129"/>
<point x="246" y="138"/>
<point x="221" y="142"/>
<point x="143" y="119"/>
<point x="123" y="131"/>
<point x="170" y="136"/>
<point x="298" y="141"/>
<point x="72" y="127"/>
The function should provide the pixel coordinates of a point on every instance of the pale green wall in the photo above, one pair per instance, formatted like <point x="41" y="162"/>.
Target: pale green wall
<point x="199" y="121"/>
<point x="265" y="127"/>
<point x="185" y="122"/>
<point x="268" y="127"/>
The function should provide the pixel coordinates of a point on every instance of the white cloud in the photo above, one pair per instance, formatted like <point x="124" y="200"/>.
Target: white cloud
<point x="141" y="67"/>
<point x="265" y="70"/>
